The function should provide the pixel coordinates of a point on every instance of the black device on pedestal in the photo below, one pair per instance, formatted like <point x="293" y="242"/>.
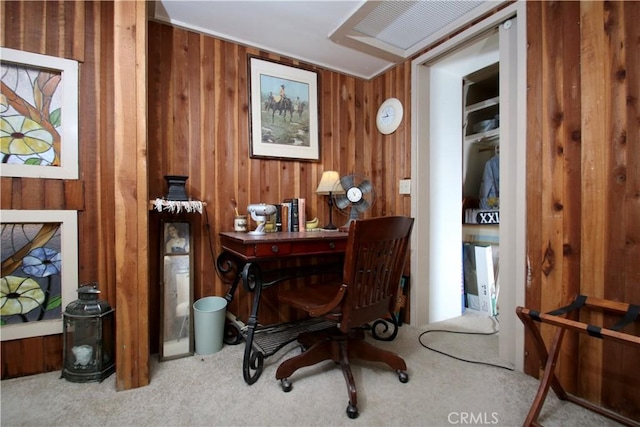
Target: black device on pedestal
<point x="88" y="337"/>
<point x="177" y="189"/>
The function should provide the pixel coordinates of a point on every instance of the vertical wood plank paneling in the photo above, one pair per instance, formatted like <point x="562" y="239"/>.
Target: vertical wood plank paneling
<point x="623" y="201"/>
<point x="38" y="27"/>
<point x="556" y="205"/>
<point x="33" y="189"/>
<point x="595" y="154"/>
<point x="11" y="354"/>
<point x="571" y="200"/>
<point x="552" y="171"/>
<point x="88" y="223"/>
<point x="52" y="353"/>
<point x="141" y="357"/>
<point x="617" y="144"/>
<point x="53" y="194"/>
<point x="53" y="15"/>
<point x="407" y="171"/>
<point x="193" y="143"/>
<point x="31" y="355"/>
<point x="12" y="32"/>
<point x="222" y="87"/>
<point x="75" y="43"/>
<point x="6" y="192"/>
<point x="631" y="15"/>
<point x="534" y="173"/>
<point x="590" y="115"/>
<point x="102" y="194"/>
<point x="131" y="195"/>
<point x="158" y="85"/>
<point x="31" y="36"/>
<point x="74" y="195"/>
<point x="210" y="152"/>
<point x="48" y="28"/>
<point x="2" y="13"/>
<point x="177" y="156"/>
<point x="581" y="111"/>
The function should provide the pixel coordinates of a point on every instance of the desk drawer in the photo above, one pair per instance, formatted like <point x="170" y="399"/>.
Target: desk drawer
<point x="275" y="249"/>
<point x="318" y="247"/>
<point x="281" y="245"/>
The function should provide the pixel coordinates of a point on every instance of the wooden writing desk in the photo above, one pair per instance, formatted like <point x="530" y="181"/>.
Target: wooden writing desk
<point x="241" y="259"/>
<point x="251" y="247"/>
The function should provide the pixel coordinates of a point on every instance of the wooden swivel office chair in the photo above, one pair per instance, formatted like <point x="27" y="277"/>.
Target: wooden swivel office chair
<point x="374" y="262"/>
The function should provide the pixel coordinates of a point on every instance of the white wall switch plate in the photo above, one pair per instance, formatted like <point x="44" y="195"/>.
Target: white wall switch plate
<point x="405" y="186"/>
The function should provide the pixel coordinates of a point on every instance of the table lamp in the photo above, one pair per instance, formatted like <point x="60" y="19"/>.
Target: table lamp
<point x="329" y="184"/>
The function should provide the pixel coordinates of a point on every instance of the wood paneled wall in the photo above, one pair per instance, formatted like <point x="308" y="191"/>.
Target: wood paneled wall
<point x="84" y="31"/>
<point x="72" y="30"/>
<point x="583" y="181"/>
<point x="199" y="126"/>
<point x="131" y="201"/>
<point x="583" y="199"/>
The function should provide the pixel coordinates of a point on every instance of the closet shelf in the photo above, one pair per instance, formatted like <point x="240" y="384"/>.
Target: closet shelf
<point x="490" y="138"/>
<point x="482" y="104"/>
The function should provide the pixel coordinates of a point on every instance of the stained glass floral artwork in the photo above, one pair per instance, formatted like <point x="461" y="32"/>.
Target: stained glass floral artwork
<point x="38" y="115"/>
<point x="31" y="277"/>
<point x="30" y="116"/>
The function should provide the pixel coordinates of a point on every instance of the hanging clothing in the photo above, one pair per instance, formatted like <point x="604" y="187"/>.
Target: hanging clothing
<point x="490" y="185"/>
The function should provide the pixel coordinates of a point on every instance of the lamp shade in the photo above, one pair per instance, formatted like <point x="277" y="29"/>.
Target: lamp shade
<point x="329" y="183"/>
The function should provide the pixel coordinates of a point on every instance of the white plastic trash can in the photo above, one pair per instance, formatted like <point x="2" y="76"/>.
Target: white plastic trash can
<point x="209" y="317"/>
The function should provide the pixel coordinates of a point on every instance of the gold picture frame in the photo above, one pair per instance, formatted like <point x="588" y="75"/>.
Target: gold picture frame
<point x="283" y="112"/>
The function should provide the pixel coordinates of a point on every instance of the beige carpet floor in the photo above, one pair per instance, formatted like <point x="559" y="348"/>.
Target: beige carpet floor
<point x="210" y="391"/>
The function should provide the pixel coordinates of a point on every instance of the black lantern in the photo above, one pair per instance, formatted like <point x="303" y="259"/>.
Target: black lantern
<point x="88" y="334"/>
<point x="177" y="190"/>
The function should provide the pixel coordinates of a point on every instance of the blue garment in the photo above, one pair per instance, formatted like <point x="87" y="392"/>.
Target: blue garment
<point x="490" y="185"/>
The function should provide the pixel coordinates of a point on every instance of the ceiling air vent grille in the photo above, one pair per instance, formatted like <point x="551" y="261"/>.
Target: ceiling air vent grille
<point x="394" y="30"/>
<point x="402" y="24"/>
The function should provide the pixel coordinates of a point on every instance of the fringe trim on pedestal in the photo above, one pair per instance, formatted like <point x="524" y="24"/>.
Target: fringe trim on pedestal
<point x="175" y="206"/>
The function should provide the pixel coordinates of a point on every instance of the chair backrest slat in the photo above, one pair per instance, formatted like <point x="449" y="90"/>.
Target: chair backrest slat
<point x="376" y="253"/>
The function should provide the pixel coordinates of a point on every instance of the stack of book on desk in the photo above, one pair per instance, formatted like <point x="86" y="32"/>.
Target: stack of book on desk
<point x="290" y="215"/>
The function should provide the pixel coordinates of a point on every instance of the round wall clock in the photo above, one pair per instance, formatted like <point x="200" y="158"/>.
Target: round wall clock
<point x="389" y="115"/>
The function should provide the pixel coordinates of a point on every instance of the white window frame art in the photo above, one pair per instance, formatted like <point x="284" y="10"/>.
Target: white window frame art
<point x="68" y="220"/>
<point x="68" y="69"/>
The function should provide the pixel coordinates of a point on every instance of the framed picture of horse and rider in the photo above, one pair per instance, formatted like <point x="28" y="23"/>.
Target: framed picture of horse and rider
<point x="283" y="111"/>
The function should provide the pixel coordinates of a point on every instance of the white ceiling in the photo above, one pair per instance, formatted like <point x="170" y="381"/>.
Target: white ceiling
<point x="362" y="38"/>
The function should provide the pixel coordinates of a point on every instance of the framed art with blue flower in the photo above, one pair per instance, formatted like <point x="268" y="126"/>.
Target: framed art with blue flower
<point x="39" y="271"/>
<point x="38" y="116"/>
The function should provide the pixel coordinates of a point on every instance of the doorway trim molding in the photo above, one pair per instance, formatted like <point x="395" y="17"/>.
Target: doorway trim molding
<point x="513" y="233"/>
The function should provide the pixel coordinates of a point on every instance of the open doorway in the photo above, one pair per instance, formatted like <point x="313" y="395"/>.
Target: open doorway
<point x="437" y="135"/>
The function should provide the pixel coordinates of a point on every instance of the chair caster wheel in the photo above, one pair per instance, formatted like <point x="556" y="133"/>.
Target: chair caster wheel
<point x="352" y="411"/>
<point x="286" y="385"/>
<point x="403" y="376"/>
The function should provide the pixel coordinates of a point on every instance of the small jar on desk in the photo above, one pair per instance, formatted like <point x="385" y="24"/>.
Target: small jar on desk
<point x="240" y="223"/>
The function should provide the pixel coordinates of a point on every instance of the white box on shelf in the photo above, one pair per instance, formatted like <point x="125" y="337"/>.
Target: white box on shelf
<point x="486" y="280"/>
<point x="480" y="285"/>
